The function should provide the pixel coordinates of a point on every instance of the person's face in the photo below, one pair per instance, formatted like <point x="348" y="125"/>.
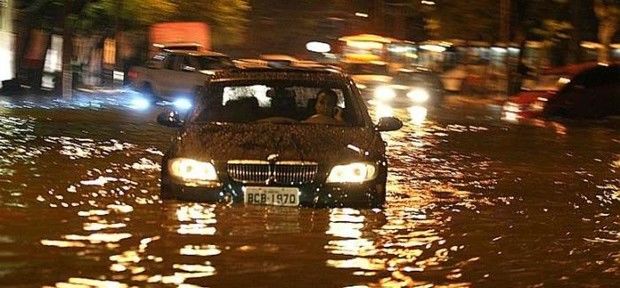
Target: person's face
<point x="325" y="105"/>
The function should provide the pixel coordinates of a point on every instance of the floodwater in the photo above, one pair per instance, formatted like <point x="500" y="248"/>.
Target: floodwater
<point x="472" y="201"/>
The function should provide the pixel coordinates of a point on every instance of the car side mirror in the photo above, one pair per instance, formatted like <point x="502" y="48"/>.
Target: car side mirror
<point x="388" y="124"/>
<point x="170" y="119"/>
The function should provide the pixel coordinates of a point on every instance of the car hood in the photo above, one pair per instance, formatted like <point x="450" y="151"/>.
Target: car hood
<point x="301" y="142"/>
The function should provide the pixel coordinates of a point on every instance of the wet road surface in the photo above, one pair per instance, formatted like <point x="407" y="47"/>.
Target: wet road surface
<point x="472" y="201"/>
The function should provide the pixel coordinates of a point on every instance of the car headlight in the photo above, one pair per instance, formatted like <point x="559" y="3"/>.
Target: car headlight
<point x="512" y="107"/>
<point x="539" y="105"/>
<point x="419" y="95"/>
<point x="352" y="173"/>
<point x="360" y="86"/>
<point x="182" y="104"/>
<point x="536" y="106"/>
<point x="385" y="93"/>
<point x="140" y="103"/>
<point x="190" y="170"/>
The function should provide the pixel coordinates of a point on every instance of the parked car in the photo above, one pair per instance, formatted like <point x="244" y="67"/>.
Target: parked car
<point x="248" y="140"/>
<point x="174" y="74"/>
<point x="588" y="90"/>
<point x="412" y="87"/>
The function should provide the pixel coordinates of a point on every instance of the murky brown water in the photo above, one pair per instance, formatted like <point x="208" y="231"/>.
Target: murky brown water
<point x="472" y="202"/>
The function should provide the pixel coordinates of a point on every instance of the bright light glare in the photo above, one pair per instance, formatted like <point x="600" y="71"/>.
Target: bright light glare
<point x="352" y="173"/>
<point x="140" y="103"/>
<point x="511" y="116"/>
<point x="417" y="114"/>
<point x="6" y="60"/>
<point x="433" y="48"/>
<point x="366" y="45"/>
<point x="512" y="107"/>
<point x="318" y="47"/>
<point x="563" y="81"/>
<point x="192" y="170"/>
<point x="418" y="95"/>
<point x="385" y="93"/>
<point x="384" y="110"/>
<point x="182" y="104"/>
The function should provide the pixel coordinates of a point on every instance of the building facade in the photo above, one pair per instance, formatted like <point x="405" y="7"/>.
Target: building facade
<point x="6" y="40"/>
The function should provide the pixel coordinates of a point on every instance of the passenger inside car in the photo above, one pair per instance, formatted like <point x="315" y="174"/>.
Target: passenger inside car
<point x="283" y="103"/>
<point x="256" y="102"/>
<point x="327" y="111"/>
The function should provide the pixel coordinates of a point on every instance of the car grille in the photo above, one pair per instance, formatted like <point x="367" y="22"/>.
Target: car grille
<point x="283" y="172"/>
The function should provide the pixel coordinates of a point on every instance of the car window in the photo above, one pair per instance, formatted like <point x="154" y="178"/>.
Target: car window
<point x="251" y="102"/>
<point x="158" y="61"/>
<point x="170" y="63"/>
<point x="212" y="62"/>
<point x="185" y="62"/>
<point x="601" y="75"/>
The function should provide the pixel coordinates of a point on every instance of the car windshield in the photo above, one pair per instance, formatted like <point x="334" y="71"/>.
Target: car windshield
<point x="367" y="69"/>
<point x="283" y="102"/>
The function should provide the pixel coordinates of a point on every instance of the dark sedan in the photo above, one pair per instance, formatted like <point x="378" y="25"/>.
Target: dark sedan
<point x="588" y="90"/>
<point x="248" y="140"/>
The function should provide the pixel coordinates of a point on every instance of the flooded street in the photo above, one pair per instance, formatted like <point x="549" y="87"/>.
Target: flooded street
<point x="472" y="201"/>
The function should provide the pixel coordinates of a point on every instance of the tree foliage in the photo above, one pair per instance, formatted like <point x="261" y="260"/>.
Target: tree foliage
<point x="227" y="18"/>
<point x="469" y="20"/>
<point x="608" y="13"/>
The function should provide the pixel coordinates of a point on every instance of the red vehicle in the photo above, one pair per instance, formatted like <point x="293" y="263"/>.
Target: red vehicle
<point x="587" y="90"/>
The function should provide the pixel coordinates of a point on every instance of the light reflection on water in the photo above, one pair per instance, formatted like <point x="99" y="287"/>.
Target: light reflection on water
<point x="470" y="202"/>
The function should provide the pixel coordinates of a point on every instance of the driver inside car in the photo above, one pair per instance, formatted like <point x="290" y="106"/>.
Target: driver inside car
<point x="327" y="111"/>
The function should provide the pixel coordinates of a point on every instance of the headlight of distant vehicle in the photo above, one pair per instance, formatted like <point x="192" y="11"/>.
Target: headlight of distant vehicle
<point x="419" y="95"/>
<point x="512" y="107"/>
<point x="182" y="104"/>
<point x="357" y="172"/>
<point x="539" y="105"/>
<point x="360" y="86"/>
<point x="385" y="93"/>
<point x="191" y="170"/>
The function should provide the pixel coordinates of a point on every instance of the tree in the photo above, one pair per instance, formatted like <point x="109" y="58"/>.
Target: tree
<point x="608" y="14"/>
<point x="469" y="20"/>
<point x="227" y="18"/>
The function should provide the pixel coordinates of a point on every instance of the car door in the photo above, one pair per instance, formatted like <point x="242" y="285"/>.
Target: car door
<point x="153" y="74"/>
<point x="183" y="77"/>
<point x="164" y="77"/>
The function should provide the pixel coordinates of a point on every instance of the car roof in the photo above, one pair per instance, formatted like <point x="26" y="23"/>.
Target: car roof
<point x="353" y="62"/>
<point x="196" y="53"/>
<point x="256" y="70"/>
<point x="574" y="69"/>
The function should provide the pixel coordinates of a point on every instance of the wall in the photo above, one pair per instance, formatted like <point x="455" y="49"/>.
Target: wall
<point x="6" y="40"/>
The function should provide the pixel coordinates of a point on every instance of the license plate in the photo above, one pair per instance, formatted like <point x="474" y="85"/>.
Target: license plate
<point x="279" y="196"/>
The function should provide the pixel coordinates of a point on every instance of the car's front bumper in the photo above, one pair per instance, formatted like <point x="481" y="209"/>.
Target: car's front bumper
<point x="371" y="193"/>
